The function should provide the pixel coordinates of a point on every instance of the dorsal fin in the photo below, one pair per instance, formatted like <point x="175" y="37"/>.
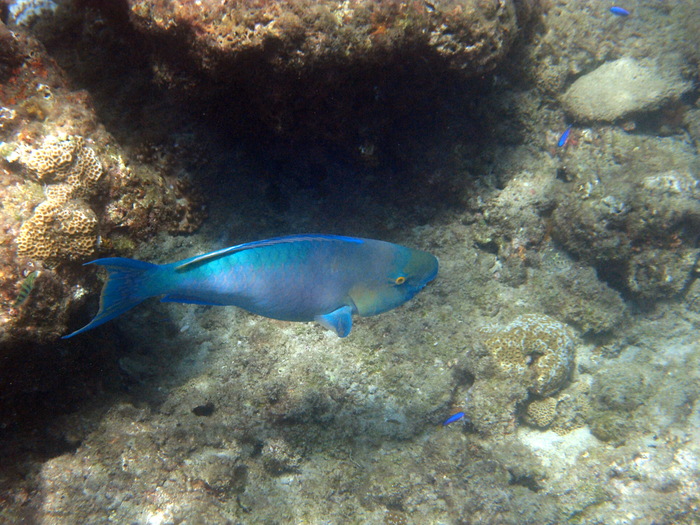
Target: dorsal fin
<point x="189" y="264"/>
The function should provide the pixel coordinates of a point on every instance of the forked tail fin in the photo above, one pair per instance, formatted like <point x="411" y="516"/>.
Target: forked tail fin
<point x="127" y="285"/>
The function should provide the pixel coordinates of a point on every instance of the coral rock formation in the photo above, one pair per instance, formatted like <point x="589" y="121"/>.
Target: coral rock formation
<point x="63" y="181"/>
<point x="62" y="227"/>
<point x="537" y="345"/>
<point x="59" y="230"/>
<point x="619" y="88"/>
<point x="541" y="412"/>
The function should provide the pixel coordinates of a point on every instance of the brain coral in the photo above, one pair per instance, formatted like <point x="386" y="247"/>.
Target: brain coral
<point x="541" y="412"/>
<point x="63" y="226"/>
<point x="535" y="345"/>
<point x="59" y="230"/>
<point x="64" y="160"/>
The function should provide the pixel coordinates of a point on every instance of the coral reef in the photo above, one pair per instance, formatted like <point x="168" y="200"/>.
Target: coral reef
<point x="267" y="67"/>
<point x="186" y="413"/>
<point x="66" y="189"/>
<point x="278" y="457"/>
<point x="299" y="33"/>
<point x="541" y="412"/>
<point x="532" y="357"/>
<point x="59" y="231"/>
<point x="618" y="217"/>
<point x="563" y="412"/>
<point x="573" y="292"/>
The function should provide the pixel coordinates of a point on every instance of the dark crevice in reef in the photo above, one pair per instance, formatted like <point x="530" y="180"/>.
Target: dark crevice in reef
<point x="391" y="121"/>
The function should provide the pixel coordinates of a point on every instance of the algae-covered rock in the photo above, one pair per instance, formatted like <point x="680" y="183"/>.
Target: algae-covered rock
<point x="635" y="221"/>
<point x="619" y="88"/>
<point x="472" y="35"/>
<point x="573" y="291"/>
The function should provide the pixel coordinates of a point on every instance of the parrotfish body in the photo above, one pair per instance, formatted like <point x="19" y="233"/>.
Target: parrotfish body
<point x="322" y="278"/>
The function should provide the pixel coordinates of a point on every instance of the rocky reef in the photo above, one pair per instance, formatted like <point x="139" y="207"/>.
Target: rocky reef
<point x="337" y="73"/>
<point x="634" y="221"/>
<point x="549" y="374"/>
<point x="67" y="189"/>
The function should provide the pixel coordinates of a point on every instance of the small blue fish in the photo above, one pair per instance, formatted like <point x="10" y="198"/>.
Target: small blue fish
<point x="619" y="11"/>
<point x="453" y="418"/>
<point x="323" y="278"/>
<point x="564" y="138"/>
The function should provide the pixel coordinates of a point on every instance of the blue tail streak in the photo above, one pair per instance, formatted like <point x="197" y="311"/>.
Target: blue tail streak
<point x="129" y="283"/>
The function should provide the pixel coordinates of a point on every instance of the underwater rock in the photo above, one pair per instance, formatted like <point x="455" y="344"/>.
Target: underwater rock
<point x="471" y="36"/>
<point x="634" y="222"/>
<point x="573" y="291"/>
<point x="617" y="392"/>
<point x="23" y="12"/>
<point x="339" y="74"/>
<point x="278" y="457"/>
<point x="619" y="88"/>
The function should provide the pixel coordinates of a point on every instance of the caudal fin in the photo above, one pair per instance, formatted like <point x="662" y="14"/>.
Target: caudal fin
<point x="127" y="285"/>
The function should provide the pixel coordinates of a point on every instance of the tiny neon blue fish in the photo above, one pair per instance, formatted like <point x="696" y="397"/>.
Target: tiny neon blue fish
<point x="564" y="138"/>
<point x="619" y="11"/>
<point x="453" y="418"/>
<point x="323" y="278"/>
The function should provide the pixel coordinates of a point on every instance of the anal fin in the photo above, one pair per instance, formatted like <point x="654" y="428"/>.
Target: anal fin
<point x="340" y="320"/>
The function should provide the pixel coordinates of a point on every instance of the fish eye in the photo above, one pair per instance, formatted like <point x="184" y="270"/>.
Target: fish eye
<point x="400" y="279"/>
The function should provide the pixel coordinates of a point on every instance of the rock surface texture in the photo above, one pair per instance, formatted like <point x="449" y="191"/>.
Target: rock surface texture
<point x="617" y="89"/>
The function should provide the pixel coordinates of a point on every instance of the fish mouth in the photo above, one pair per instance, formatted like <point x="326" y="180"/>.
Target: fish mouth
<point x="430" y="276"/>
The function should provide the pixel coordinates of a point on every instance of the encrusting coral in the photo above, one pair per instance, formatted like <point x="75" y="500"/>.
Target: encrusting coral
<point x="529" y="360"/>
<point x="538" y="345"/>
<point x="63" y="226"/>
<point x="59" y="230"/>
<point x="541" y="412"/>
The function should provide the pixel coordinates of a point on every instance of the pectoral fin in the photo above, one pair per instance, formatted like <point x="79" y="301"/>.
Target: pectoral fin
<point x="340" y="320"/>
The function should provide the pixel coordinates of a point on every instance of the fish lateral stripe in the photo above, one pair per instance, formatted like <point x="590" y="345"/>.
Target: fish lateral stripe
<point x="208" y="257"/>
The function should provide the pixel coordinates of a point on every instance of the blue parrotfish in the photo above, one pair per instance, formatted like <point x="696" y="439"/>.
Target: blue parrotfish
<point x="323" y="278"/>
